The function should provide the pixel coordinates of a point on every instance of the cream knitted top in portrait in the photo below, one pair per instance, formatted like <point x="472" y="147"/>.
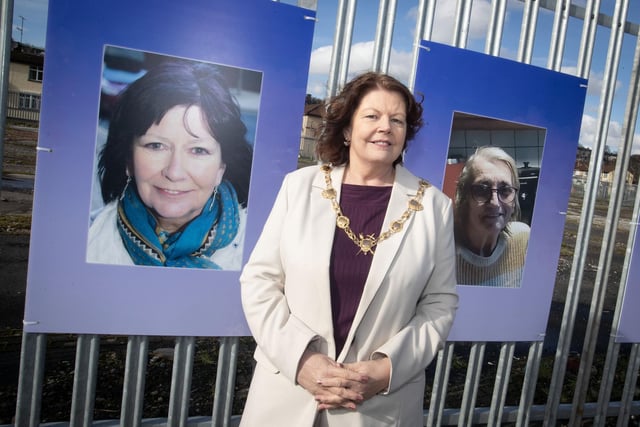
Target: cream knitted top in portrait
<point x="503" y="268"/>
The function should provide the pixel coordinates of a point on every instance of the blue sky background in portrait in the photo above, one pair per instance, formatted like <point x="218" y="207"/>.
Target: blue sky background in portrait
<point x="34" y="12"/>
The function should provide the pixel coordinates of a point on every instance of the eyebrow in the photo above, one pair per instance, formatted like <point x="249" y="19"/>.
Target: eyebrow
<point x="488" y="182"/>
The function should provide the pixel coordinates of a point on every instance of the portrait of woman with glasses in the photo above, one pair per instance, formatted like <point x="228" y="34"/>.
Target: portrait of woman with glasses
<point x="490" y="242"/>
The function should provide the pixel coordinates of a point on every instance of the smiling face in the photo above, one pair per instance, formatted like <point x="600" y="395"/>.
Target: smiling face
<point x="488" y="219"/>
<point x="378" y="129"/>
<point x="176" y="165"/>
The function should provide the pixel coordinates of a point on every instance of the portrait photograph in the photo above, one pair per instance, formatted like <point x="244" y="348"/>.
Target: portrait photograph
<point x="628" y="331"/>
<point x="491" y="175"/>
<point x="160" y="149"/>
<point x="174" y="149"/>
<point x="500" y="139"/>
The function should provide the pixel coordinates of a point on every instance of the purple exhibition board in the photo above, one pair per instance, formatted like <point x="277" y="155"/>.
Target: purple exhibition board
<point x="628" y="330"/>
<point x="454" y="80"/>
<point x="269" y="41"/>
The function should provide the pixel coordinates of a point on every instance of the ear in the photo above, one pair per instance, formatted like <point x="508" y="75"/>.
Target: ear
<point x="346" y="133"/>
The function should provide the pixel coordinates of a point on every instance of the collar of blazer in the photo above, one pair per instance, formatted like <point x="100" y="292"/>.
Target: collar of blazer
<point x="405" y="187"/>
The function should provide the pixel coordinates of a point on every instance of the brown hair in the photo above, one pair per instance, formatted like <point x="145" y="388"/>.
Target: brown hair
<point x="339" y="110"/>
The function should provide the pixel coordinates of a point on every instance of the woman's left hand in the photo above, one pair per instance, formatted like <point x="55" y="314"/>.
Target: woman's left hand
<point x="377" y="370"/>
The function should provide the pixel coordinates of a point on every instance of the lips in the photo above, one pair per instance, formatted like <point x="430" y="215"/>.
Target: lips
<point x="493" y="215"/>
<point x="170" y="192"/>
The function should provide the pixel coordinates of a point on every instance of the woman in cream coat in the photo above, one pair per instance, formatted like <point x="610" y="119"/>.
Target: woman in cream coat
<point x="310" y="370"/>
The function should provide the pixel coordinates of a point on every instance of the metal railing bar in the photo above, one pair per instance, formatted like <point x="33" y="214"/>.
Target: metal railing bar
<point x="439" y="386"/>
<point x="496" y="26"/>
<point x="558" y="35"/>
<point x="340" y="54"/>
<point x="134" y="381"/>
<point x="580" y="12"/>
<point x="424" y="27"/>
<point x="601" y="284"/>
<point x="586" y="215"/>
<point x="528" y="31"/>
<point x="629" y="388"/>
<point x="529" y="383"/>
<point x="501" y="385"/>
<point x="84" y="380"/>
<point x="588" y="38"/>
<point x="384" y="35"/>
<point x="181" y="381"/>
<point x="474" y="368"/>
<point x="6" y="19"/>
<point x="376" y="59"/>
<point x="225" y="381"/>
<point x="462" y="23"/>
<point x="451" y="417"/>
<point x="29" y="399"/>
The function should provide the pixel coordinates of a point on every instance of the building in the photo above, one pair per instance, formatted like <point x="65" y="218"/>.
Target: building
<point x="26" y="70"/>
<point x="311" y="122"/>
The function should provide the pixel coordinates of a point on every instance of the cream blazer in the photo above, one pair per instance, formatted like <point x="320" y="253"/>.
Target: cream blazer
<point x="406" y="310"/>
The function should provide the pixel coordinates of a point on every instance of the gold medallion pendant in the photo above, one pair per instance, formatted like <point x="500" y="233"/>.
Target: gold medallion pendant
<point x="367" y="243"/>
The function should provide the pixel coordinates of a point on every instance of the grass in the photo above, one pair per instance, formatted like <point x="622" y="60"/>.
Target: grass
<point x="15" y="224"/>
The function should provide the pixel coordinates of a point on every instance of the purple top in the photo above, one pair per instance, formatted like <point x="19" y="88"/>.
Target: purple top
<point x="365" y="206"/>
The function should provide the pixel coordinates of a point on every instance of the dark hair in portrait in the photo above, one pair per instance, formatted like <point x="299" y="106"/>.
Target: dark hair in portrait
<point x="144" y="103"/>
<point x="340" y="109"/>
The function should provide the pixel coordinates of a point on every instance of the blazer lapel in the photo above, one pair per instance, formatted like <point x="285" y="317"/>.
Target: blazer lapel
<point x="324" y="218"/>
<point x="404" y="188"/>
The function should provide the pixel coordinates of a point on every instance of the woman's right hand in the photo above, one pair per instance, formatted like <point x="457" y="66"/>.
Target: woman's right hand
<point x="329" y="382"/>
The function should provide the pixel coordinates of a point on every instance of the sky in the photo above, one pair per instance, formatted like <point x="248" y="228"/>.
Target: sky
<point x="30" y="17"/>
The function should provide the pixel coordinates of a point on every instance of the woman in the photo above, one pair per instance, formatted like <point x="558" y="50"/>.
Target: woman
<point x="174" y="173"/>
<point x="491" y="244"/>
<point x="350" y="290"/>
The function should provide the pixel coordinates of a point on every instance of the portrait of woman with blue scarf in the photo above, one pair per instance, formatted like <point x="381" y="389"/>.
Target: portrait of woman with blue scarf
<point x="174" y="173"/>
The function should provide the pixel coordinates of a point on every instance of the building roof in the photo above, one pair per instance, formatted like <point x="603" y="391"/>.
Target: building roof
<point x="26" y="54"/>
<point x="313" y="110"/>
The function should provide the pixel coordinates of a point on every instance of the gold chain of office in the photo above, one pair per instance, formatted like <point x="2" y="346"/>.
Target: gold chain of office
<point x="367" y="243"/>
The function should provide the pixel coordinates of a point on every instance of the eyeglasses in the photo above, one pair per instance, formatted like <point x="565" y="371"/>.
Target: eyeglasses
<point x="483" y="193"/>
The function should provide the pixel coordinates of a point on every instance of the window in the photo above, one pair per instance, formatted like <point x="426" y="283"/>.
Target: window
<point x="29" y="101"/>
<point x="36" y="72"/>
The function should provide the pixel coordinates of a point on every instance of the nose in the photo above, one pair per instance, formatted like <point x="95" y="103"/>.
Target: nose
<point x="174" y="169"/>
<point x="494" y="200"/>
<point x="384" y="125"/>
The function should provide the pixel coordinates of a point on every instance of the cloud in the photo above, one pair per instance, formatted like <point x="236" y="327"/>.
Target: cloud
<point x="360" y="60"/>
<point x="400" y="63"/>
<point x="588" y="133"/>
<point x="589" y="130"/>
<point x="595" y="80"/>
<point x="320" y="60"/>
<point x="445" y="15"/>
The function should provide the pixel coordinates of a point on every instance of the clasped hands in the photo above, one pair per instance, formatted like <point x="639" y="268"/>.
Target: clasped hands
<point x="337" y="385"/>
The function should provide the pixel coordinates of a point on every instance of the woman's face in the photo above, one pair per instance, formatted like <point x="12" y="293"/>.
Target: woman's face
<point x="176" y="170"/>
<point x="378" y="129"/>
<point x="488" y="219"/>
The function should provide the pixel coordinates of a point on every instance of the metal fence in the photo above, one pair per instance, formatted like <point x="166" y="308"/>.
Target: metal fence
<point x="546" y="382"/>
<point x="23" y="106"/>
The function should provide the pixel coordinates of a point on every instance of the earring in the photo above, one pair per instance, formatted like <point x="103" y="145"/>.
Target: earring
<point x="213" y="198"/>
<point x="347" y="142"/>
<point x="124" y="190"/>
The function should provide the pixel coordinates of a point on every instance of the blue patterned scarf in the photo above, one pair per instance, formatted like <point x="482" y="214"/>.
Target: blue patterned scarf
<point x="192" y="245"/>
